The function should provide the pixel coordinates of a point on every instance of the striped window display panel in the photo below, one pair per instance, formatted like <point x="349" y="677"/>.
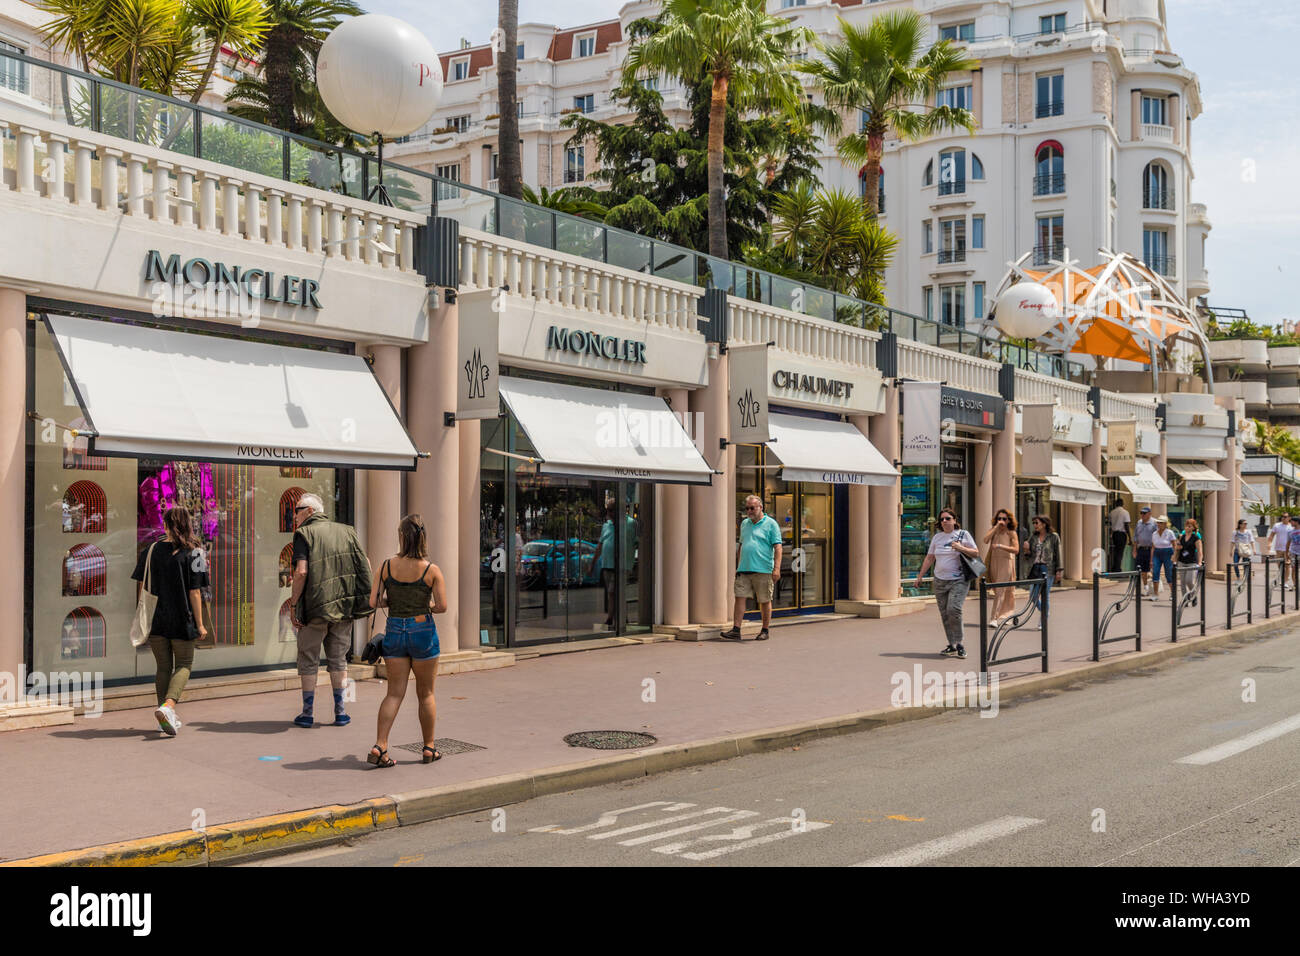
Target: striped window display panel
<point x="85" y="571"/>
<point x="85" y="509"/>
<point x="84" y="633"/>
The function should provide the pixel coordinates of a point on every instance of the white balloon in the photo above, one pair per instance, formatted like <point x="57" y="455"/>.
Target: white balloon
<point x="1027" y="310"/>
<point x="378" y="74"/>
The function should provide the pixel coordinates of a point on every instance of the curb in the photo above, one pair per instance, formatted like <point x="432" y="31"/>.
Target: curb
<point x="246" y="840"/>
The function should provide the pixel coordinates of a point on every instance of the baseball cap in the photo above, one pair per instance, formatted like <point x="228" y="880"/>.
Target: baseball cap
<point x="1145" y="509"/>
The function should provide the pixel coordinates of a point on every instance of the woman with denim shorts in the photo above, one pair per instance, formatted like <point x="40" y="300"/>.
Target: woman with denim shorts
<point x="413" y="591"/>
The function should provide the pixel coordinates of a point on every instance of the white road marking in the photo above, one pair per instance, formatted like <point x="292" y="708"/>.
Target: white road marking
<point x="612" y="816"/>
<point x="743" y="834"/>
<point x="637" y="827"/>
<point x="953" y="843"/>
<point x="1233" y="747"/>
<point x="677" y="831"/>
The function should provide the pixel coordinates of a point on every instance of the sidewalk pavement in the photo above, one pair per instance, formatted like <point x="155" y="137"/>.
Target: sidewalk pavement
<point x="114" y="778"/>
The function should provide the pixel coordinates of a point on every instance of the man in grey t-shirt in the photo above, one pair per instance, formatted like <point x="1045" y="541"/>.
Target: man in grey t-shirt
<point x="1143" y="532"/>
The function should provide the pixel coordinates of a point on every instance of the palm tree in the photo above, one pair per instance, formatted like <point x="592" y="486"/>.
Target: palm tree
<point x="744" y="52"/>
<point x="288" y="53"/>
<point x="239" y="24"/>
<point x="509" y="168"/>
<point x="879" y="69"/>
<point x="574" y="200"/>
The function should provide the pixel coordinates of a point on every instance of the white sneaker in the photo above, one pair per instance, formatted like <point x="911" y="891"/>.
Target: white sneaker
<point x="167" y="720"/>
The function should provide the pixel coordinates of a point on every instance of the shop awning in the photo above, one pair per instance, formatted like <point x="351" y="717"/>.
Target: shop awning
<point x="1071" y="481"/>
<point x="818" y="449"/>
<point x="1198" y="477"/>
<point x="594" y="433"/>
<point x="153" y="393"/>
<point x="1148" y="486"/>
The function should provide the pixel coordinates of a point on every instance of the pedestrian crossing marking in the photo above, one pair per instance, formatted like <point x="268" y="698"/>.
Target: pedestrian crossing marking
<point x="610" y="817"/>
<point x="744" y="834"/>
<point x="678" y="831"/>
<point x="634" y="828"/>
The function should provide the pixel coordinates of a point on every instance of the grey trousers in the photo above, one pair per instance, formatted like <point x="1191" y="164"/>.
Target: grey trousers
<point x="951" y="598"/>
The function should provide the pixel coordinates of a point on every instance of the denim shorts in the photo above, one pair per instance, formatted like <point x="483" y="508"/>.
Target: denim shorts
<point x="407" y="637"/>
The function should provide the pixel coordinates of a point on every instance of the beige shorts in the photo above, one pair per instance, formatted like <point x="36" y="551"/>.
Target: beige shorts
<point x="756" y="585"/>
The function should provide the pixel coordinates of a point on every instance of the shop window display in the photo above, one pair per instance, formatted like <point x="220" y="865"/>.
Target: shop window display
<point x="85" y="571"/>
<point x="289" y="501"/>
<point x="286" y="566"/>
<point x="84" y="633"/>
<point x="85" y="509"/>
<point x="75" y="454"/>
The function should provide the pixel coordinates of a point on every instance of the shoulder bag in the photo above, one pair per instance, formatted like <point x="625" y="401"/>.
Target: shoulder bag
<point x="374" y="648"/>
<point x="142" y="623"/>
<point x="972" y="568"/>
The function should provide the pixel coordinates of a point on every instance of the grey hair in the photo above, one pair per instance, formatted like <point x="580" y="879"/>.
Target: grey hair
<point x="313" y="502"/>
<point x="749" y="498"/>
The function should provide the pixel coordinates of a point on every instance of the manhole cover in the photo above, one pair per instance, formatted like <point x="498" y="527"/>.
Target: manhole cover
<point x="610" y="739"/>
<point x="446" y="746"/>
<point x="1267" y="669"/>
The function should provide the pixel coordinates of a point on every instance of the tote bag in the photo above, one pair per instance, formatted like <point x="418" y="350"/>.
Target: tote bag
<point x="142" y="623"/>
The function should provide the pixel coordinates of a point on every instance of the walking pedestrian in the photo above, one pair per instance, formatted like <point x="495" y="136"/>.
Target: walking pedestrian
<point x="1143" y="533"/>
<point x="1044" y="551"/>
<point x="1293" y="547"/>
<point x="413" y="589"/>
<point x="1120" y="520"/>
<point x="331" y="589"/>
<point x="1191" y="556"/>
<point x="758" y="565"/>
<point x="1162" y="555"/>
<point x="1004" y="545"/>
<point x="1278" y="537"/>
<point x="1243" y="547"/>
<point x="950" y="582"/>
<point x="176" y="571"/>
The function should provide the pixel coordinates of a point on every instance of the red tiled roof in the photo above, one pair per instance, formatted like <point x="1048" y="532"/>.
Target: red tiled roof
<point x="479" y="58"/>
<point x="562" y="43"/>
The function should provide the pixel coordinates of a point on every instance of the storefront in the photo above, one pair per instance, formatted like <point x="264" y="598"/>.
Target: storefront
<point x="1144" y="487"/>
<point x="1192" y="481"/>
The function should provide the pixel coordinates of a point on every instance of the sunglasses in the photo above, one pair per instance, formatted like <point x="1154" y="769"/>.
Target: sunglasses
<point x="947" y="518"/>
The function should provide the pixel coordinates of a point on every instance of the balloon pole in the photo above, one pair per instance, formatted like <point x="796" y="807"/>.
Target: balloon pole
<point x="379" y="192"/>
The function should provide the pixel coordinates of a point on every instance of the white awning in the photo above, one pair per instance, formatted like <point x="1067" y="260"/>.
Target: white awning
<point x="1199" y="477"/>
<point x="1148" y="486"/>
<point x="818" y="449"/>
<point x="1071" y="481"/>
<point x="160" y="394"/>
<point x="595" y="433"/>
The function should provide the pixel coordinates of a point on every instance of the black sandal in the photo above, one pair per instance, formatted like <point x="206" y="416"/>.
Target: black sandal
<point x="380" y="759"/>
<point x="430" y="754"/>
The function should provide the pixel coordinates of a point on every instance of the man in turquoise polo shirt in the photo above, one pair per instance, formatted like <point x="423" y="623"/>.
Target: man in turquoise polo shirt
<point x="758" y="565"/>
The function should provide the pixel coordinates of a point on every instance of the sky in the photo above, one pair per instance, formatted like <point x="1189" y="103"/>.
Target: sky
<point x="1245" y="143"/>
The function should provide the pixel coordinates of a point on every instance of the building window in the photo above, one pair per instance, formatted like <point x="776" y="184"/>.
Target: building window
<point x="575" y="164"/>
<point x="863" y="117"/>
<point x="977" y="300"/>
<point x="977" y="232"/>
<point x="957" y="97"/>
<point x="519" y="52"/>
<point x="1049" y="169"/>
<point x="1155" y="110"/>
<point x="958" y="31"/>
<point x="952" y="172"/>
<point x="927" y="296"/>
<point x="787" y="4"/>
<point x="952" y="305"/>
<point x="13" y="72"/>
<point x="585" y="103"/>
<point x="460" y="69"/>
<point x="976" y="167"/>
<point x="459" y="123"/>
<point x="1050" y="239"/>
<point x="880" y="194"/>
<point x="927" y="237"/>
<point x="952" y="240"/>
<point x="493" y="165"/>
<point x="1054" y="23"/>
<point x="586" y="45"/>
<point x="927" y="177"/>
<point x="450" y="172"/>
<point x="1156" y="191"/>
<point x="1155" y="251"/>
<point x="1050" y="99"/>
<point x="649" y="83"/>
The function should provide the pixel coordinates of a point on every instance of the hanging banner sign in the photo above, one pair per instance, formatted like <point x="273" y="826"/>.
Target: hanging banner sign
<point x="1121" y="448"/>
<point x="921" y="423"/>
<point x="747" y="368"/>
<point x="1036" y="440"/>
<point x="478" y="368"/>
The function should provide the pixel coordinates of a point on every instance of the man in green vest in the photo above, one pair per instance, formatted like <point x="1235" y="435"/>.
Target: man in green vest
<point x="331" y="589"/>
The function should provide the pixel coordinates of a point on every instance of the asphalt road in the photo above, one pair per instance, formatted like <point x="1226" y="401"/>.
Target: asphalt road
<point x="1168" y="766"/>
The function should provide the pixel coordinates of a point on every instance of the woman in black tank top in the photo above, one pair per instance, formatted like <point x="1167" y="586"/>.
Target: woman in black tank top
<point x="413" y="590"/>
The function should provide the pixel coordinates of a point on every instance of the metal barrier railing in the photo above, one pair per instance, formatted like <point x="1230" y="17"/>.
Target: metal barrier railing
<point x="1275" y="566"/>
<point x="1240" y="581"/>
<point x="1038" y="588"/>
<point x="1101" y="620"/>
<point x="1193" y="595"/>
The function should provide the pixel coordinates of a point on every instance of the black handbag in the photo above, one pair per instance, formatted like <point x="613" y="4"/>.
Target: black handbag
<point x="972" y="569"/>
<point x="374" y="648"/>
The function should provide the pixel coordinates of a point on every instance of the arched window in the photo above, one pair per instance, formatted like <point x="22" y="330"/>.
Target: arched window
<point x="927" y="177"/>
<point x="85" y="509"/>
<point x="289" y="501"/>
<point x="84" y="633"/>
<point x="1049" y="169"/>
<point x="976" y="167"/>
<point x="85" y="571"/>
<point x="952" y="171"/>
<point x="286" y="566"/>
<point x="1157" y="191"/>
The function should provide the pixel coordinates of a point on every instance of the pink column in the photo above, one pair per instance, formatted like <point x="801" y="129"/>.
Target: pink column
<point x="1092" y="514"/>
<point x="468" y="508"/>
<point x="384" y="488"/>
<point x="886" y="505"/>
<point x="1161" y="461"/>
<point x="712" y="532"/>
<point x="674" y="520"/>
<point x="988" y="496"/>
<point x="432" y="488"/>
<point x="1229" y="502"/>
<point x="860" y="528"/>
<point x="1072" y="536"/>
<point x="13" y="466"/>
<point x="1003" y="464"/>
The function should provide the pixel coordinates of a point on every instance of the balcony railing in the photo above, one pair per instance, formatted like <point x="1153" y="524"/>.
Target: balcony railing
<point x="1163" y="265"/>
<point x="1049" y="108"/>
<point x="1157" y="198"/>
<point x="106" y="107"/>
<point x="952" y="255"/>
<point x="952" y="187"/>
<point x="1045" y="253"/>
<point x="1158" y="131"/>
<point x="13" y="75"/>
<point x="1049" y="185"/>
